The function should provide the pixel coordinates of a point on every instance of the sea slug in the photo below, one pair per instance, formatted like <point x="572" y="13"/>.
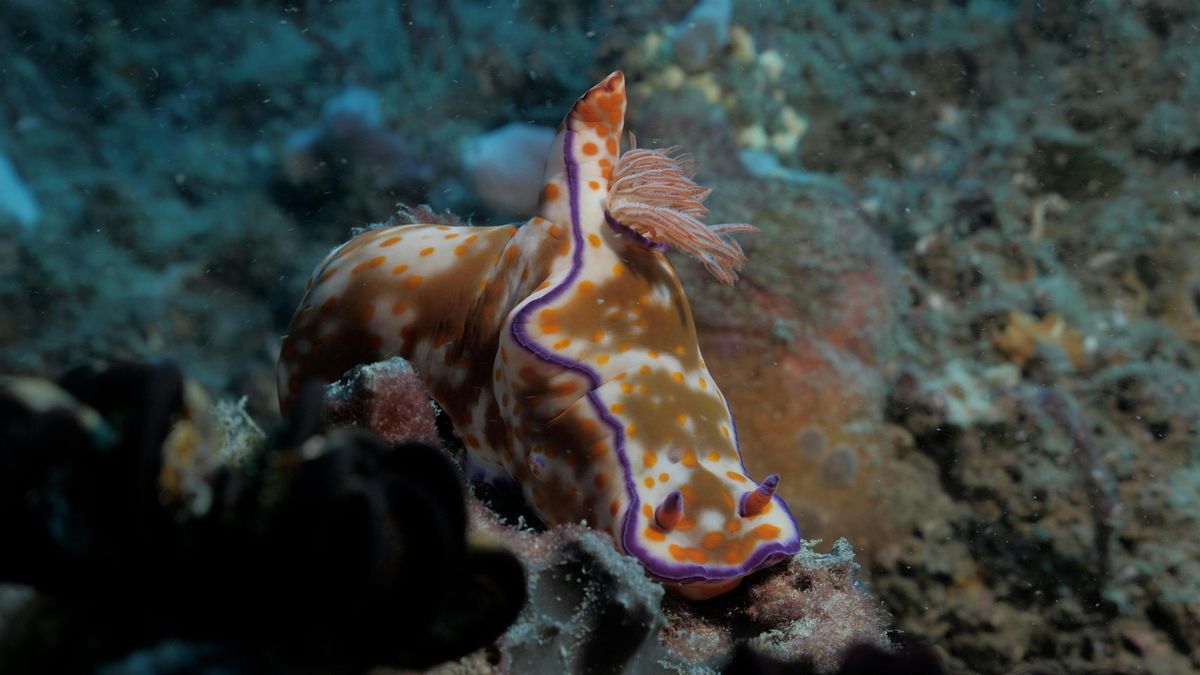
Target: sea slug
<point x="565" y="353"/>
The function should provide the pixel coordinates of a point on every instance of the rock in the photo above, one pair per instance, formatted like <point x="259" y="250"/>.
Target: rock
<point x="703" y="34"/>
<point x="505" y="166"/>
<point x="387" y="398"/>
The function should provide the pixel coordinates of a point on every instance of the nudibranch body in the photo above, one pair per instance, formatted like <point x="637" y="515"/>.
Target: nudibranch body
<point x="565" y="353"/>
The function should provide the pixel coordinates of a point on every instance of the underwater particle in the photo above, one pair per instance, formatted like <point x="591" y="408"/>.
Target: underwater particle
<point x="702" y="35"/>
<point x="504" y="166"/>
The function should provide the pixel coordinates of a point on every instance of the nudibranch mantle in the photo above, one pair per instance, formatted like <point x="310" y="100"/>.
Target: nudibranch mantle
<point x="565" y="354"/>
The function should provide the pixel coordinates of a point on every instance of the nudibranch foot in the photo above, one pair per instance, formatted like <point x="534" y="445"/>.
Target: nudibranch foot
<point x="565" y="353"/>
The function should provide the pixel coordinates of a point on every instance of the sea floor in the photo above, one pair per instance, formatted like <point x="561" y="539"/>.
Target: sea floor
<point x="968" y="334"/>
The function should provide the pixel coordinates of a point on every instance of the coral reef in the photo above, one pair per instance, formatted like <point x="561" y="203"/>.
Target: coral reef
<point x="967" y="335"/>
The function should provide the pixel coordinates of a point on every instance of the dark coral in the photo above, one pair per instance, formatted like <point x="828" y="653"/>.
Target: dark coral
<point x="327" y="549"/>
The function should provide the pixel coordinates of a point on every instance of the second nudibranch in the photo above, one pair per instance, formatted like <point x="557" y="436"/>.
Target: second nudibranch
<point x="565" y="354"/>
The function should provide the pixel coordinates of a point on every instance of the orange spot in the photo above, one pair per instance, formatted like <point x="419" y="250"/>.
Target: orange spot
<point x="766" y="531"/>
<point x="550" y="328"/>
<point x="594" y="240"/>
<point x="689" y="495"/>
<point x="627" y="387"/>
<point x="650" y="352"/>
<point x="649" y="481"/>
<point x="460" y="249"/>
<point x="601" y="130"/>
<point x="679" y="349"/>
<point x="601" y="481"/>
<point x="645" y="370"/>
<point x="586" y="286"/>
<point x="624" y="347"/>
<point x="689" y="459"/>
<point x="426" y="251"/>
<point x="617" y="408"/>
<point x="497" y="375"/>
<point x="621" y="375"/>
<point x="681" y="419"/>
<point x="587" y="426"/>
<point x="399" y="269"/>
<point x="611" y="146"/>
<point x="733" y="555"/>
<point x="602" y="359"/>
<point x="631" y="430"/>
<point x="528" y="374"/>
<point x="733" y="525"/>
<point x="550" y="193"/>
<point x="712" y="540"/>
<point x="651" y="459"/>
<point x="595" y="185"/>
<point x="562" y="344"/>
<point x="471" y="441"/>
<point x="443" y="228"/>
<point x="452" y="235"/>
<point x="714" y="456"/>
<point x="664" y="477"/>
<point x="590" y="149"/>
<point x="677" y="377"/>
<point x="703" y="383"/>
<point x="696" y="555"/>
<point x="725" y="431"/>
<point x="373" y="262"/>
<point x="368" y="313"/>
<point x="647" y="511"/>
<point x="614" y="507"/>
<point x="328" y="273"/>
<point x="617" y="270"/>
<point x="676" y="551"/>
<point x="554" y="229"/>
<point x="654" y="534"/>
<point x="598" y="449"/>
<point x="390" y="241"/>
<point x="512" y="254"/>
<point x="598" y="336"/>
<point x="736" y="476"/>
<point x="413" y="281"/>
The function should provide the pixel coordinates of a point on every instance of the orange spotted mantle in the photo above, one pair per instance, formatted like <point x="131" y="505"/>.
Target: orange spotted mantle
<point x="565" y="354"/>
